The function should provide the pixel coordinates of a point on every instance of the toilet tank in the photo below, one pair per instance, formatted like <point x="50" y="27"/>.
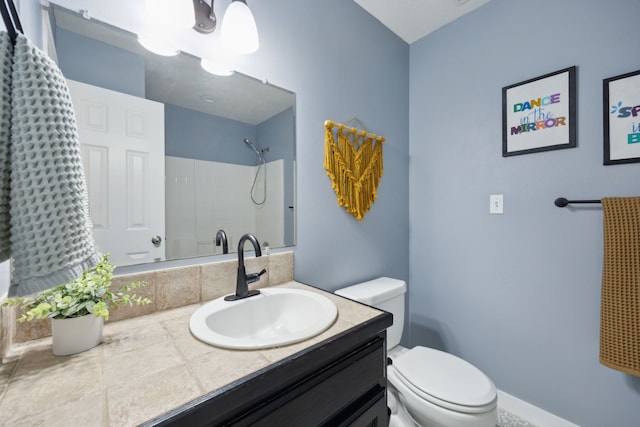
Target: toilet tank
<point x="386" y="294"/>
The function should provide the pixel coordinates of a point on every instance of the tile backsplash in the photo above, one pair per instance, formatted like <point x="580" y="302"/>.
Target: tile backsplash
<point x="167" y="289"/>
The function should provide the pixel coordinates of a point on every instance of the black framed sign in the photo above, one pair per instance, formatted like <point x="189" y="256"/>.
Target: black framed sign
<point x="539" y="114"/>
<point x="622" y="118"/>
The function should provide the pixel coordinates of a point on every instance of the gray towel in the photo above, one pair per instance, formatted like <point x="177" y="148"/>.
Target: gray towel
<point x="6" y="58"/>
<point x="51" y="240"/>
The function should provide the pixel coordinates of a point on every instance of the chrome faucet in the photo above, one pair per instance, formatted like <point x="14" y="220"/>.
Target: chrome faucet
<point x="243" y="279"/>
<point x="221" y="238"/>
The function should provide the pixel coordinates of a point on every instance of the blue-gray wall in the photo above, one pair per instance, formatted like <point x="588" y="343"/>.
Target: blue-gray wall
<point x="278" y="133"/>
<point x="518" y="294"/>
<point x="196" y="135"/>
<point x="341" y="62"/>
<point x="100" y="64"/>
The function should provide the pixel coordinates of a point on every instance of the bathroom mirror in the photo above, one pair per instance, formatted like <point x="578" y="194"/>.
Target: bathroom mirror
<point x="227" y="161"/>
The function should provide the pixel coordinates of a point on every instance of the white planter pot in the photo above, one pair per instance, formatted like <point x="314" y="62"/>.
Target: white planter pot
<point x="77" y="334"/>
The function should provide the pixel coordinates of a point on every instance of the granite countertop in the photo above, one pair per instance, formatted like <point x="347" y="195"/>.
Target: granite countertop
<point x="145" y="367"/>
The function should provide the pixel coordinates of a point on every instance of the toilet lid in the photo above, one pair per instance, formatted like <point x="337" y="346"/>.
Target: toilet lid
<point x="445" y="377"/>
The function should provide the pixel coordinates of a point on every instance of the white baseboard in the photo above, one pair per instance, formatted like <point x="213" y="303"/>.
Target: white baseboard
<point x="531" y="413"/>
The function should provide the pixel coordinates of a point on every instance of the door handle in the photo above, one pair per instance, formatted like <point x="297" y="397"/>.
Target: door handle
<point x="156" y="240"/>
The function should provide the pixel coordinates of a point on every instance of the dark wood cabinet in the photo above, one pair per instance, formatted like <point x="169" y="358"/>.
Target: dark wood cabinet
<point x="338" y="382"/>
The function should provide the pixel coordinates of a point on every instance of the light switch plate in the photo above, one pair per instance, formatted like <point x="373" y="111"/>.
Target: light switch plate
<point x="496" y="204"/>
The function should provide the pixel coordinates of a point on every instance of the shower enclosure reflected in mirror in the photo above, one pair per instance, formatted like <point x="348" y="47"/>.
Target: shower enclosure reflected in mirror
<point x="172" y="153"/>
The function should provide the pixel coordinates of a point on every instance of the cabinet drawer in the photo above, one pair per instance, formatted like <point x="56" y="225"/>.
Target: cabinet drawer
<point x="328" y="392"/>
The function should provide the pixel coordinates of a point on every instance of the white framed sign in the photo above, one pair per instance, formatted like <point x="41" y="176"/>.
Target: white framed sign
<point x="622" y="118"/>
<point x="539" y="114"/>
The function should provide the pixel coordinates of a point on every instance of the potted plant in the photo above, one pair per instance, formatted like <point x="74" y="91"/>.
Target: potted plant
<point x="78" y="308"/>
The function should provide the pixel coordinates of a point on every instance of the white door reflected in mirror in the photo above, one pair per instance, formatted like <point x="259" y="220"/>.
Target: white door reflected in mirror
<point x="122" y="142"/>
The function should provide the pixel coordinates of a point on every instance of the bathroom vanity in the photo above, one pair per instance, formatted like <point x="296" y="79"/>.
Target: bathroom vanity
<point x="338" y="381"/>
<point x="151" y="371"/>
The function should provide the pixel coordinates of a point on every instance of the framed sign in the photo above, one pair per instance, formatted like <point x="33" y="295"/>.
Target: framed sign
<point x="539" y="114"/>
<point x="622" y="119"/>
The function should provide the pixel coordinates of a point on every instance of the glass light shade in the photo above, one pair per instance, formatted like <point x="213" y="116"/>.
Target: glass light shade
<point x="157" y="44"/>
<point x="239" y="32"/>
<point x="216" y="67"/>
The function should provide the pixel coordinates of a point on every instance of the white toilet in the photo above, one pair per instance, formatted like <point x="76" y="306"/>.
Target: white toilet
<point x="427" y="387"/>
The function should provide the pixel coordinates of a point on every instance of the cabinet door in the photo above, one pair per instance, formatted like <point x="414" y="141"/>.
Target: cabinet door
<point x="373" y="414"/>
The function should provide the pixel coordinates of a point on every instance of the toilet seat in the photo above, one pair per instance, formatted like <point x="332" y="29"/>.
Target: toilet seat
<point x="444" y="380"/>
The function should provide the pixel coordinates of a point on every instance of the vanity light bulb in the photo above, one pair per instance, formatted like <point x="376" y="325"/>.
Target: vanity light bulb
<point x="239" y="31"/>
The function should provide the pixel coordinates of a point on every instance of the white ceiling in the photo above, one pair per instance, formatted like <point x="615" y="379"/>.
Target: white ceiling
<point x="411" y="20"/>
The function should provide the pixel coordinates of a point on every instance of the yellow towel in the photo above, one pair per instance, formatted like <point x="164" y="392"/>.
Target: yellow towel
<point x="620" y="309"/>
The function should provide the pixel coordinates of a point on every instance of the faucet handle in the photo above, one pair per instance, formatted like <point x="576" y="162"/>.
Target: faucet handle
<point x="254" y="277"/>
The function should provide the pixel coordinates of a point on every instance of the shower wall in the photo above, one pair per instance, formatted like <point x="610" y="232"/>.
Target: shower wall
<point x="192" y="222"/>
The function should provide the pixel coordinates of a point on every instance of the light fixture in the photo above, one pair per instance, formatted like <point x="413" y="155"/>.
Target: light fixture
<point x="206" y="20"/>
<point x="162" y="18"/>
<point x="239" y="32"/>
<point x="165" y="17"/>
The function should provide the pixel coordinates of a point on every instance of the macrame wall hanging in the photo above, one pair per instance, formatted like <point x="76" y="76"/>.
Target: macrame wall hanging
<point x="353" y="160"/>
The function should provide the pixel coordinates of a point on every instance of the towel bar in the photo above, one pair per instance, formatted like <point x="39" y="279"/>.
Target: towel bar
<point x="561" y="202"/>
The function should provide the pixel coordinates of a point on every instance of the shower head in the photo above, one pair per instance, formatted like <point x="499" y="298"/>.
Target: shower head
<point x="262" y="164"/>
<point x="253" y="147"/>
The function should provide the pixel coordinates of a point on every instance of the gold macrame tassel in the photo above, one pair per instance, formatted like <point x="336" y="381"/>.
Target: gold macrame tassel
<point x="355" y="168"/>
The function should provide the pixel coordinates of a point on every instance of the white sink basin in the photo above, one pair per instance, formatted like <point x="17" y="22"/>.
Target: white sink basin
<point x="277" y="316"/>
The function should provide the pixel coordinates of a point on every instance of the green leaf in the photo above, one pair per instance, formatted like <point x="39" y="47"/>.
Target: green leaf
<point x="89" y="293"/>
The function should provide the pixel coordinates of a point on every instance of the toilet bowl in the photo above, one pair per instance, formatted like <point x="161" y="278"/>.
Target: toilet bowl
<point x="426" y="387"/>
